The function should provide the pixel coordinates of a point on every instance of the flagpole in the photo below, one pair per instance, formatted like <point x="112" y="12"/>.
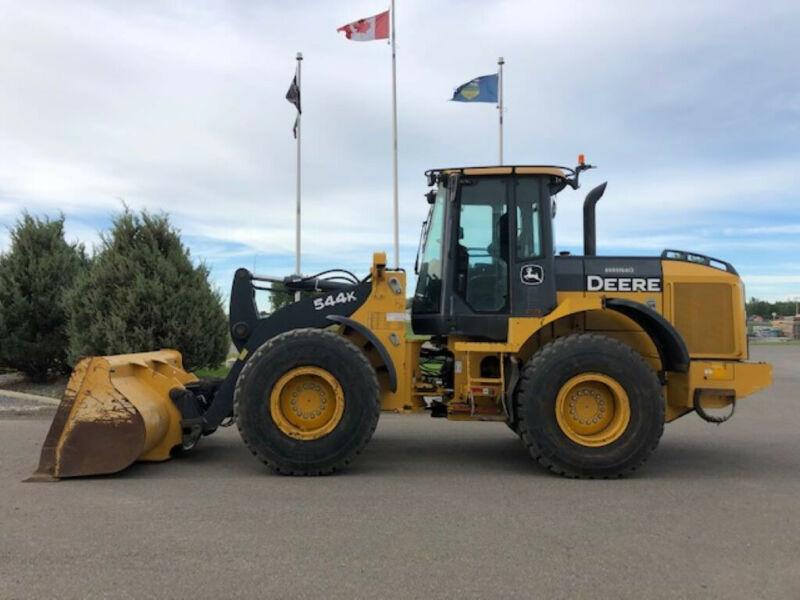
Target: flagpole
<point x="299" y="58"/>
<point x="500" y="63"/>
<point x="396" y="210"/>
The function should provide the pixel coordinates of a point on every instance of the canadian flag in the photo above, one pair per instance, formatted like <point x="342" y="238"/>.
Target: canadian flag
<point x="365" y="30"/>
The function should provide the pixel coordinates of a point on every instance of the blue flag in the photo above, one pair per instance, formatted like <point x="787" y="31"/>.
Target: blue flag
<point x="480" y="89"/>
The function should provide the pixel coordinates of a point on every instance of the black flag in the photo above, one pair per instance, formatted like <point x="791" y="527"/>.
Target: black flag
<point x="293" y="96"/>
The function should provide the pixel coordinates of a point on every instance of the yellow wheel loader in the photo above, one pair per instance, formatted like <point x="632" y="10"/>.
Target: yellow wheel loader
<point x="584" y="357"/>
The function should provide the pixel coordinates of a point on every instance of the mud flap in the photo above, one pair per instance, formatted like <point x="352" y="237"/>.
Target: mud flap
<point x="116" y="410"/>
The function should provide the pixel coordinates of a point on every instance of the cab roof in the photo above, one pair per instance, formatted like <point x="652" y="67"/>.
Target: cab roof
<point x="555" y="171"/>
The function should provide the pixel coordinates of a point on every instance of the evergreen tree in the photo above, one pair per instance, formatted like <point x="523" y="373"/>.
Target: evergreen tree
<point x="34" y="276"/>
<point x="765" y="309"/>
<point x="143" y="293"/>
<point x="281" y="297"/>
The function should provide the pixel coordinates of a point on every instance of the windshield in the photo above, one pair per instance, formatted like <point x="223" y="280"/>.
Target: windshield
<point x="427" y="298"/>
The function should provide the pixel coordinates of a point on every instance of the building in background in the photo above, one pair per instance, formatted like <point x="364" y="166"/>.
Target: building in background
<point x="788" y="326"/>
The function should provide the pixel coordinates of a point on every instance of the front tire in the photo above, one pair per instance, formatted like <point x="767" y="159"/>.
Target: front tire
<point x="307" y="402"/>
<point x="589" y="406"/>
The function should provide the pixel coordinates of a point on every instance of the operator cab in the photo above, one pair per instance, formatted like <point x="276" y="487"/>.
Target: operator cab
<point x="486" y="252"/>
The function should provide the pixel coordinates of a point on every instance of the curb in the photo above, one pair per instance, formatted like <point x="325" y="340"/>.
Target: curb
<point x="27" y="411"/>
<point x="47" y="400"/>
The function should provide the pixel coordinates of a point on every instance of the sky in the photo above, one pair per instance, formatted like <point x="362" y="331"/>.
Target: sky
<point x="690" y="109"/>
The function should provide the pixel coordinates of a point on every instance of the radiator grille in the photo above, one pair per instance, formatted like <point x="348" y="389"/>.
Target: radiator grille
<point x="703" y="314"/>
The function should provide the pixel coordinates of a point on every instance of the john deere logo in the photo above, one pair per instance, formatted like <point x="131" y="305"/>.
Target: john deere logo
<point x="531" y="274"/>
<point x="471" y="90"/>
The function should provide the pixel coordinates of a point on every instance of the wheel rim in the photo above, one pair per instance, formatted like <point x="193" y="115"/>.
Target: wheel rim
<point x="593" y="409"/>
<point x="307" y="403"/>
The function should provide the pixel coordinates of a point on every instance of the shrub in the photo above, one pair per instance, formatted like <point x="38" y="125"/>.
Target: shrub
<point x="142" y="292"/>
<point x="34" y="276"/>
<point x="280" y="298"/>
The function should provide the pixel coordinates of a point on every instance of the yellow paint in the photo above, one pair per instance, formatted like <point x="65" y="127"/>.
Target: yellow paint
<point x="529" y="170"/>
<point x="554" y="171"/>
<point x="388" y="297"/>
<point x="592" y="409"/>
<point x="695" y="311"/>
<point x="113" y="388"/>
<point x="718" y="371"/>
<point x="478" y="396"/>
<point x="307" y="403"/>
<point x="520" y="329"/>
<point x="706" y="305"/>
<point x="719" y="382"/>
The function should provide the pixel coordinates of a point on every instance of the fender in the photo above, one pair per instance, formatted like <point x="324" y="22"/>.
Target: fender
<point x="669" y="343"/>
<point x="376" y="343"/>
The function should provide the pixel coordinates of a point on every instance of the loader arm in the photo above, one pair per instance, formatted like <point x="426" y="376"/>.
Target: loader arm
<point x="250" y="331"/>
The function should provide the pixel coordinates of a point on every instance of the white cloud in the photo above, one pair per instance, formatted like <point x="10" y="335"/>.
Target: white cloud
<point x="772" y="287"/>
<point x="764" y="230"/>
<point x="180" y="107"/>
<point x="772" y="279"/>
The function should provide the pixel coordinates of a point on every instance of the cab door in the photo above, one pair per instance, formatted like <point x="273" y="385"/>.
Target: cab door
<point x="479" y="299"/>
<point x="532" y="272"/>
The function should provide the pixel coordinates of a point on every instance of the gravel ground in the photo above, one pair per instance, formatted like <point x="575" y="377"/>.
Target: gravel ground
<point x="433" y="509"/>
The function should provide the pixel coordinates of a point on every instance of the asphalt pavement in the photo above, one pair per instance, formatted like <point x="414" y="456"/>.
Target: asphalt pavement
<point x="432" y="509"/>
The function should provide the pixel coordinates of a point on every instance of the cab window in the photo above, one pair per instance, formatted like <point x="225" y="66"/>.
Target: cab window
<point x="482" y="263"/>
<point x="529" y="226"/>
<point x="427" y="298"/>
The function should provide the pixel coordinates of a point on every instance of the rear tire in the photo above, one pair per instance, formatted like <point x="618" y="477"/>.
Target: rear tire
<point x="615" y="433"/>
<point x="281" y="444"/>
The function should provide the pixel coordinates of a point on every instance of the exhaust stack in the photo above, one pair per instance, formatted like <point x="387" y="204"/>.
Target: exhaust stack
<point x="589" y="223"/>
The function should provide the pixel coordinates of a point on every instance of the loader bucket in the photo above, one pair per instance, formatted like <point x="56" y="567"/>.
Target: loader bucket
<point x="116" y="410"/>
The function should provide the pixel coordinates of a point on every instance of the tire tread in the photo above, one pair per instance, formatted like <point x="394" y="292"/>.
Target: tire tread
<point x="567" y="346"/>
<point x="313" y="336"/>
